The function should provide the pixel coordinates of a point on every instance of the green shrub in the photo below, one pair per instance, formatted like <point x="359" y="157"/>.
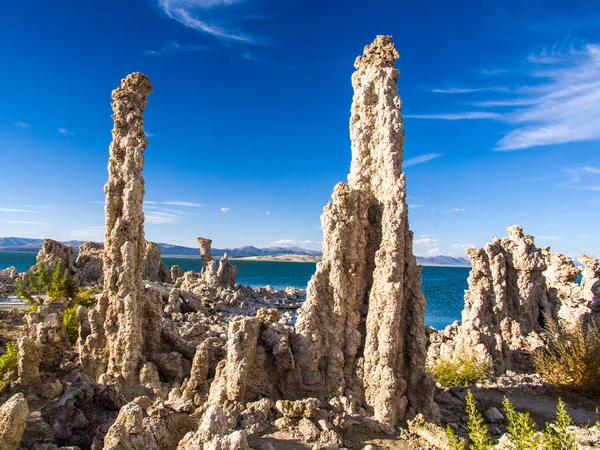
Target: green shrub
<point x="62" y="285"/>
<point x="8" y="365"/>
<point x="571" y="357"/>
<point x="463" y="370"/>
<point x="556" y="437"/>
<point x="71" y="323"/>
<point x="453" y="442"/>
<point x="85" y="297"/>
<point x="521" y="429"/>
<point x="58" y="286"/>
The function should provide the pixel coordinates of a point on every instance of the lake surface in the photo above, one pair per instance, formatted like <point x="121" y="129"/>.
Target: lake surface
<point x="443" y="287"/>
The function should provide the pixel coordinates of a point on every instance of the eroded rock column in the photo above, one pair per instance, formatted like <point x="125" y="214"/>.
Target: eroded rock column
<point x="360" y="333"/>
<point x="504" y="305"/>
<point x="124" y="242"/>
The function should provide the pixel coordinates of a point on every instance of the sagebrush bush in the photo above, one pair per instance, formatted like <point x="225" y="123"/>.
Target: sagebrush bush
<point x="71" y="323"/>
<point x="59" y="285"/>
<point x="570" y="358"/>
<point x="463" y="370"/>
<point x="556" y="436"/>
<point x="522" y="431"/>
<point x="8" y="365"/>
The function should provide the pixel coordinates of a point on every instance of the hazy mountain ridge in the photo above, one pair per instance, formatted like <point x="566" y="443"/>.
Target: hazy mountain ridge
<point x="15" y="244"/>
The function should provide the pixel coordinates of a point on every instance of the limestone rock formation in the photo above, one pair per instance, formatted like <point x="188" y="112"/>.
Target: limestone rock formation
<point x="53" y="252"/>
<point x="248" y="373"/>
<point x="46" y="331"/>
<point x="205" y="251"/>
<point x="504" y="305"/>
<point x="124" y="243"/>
<point x="28" y="363"/>
<point x="590" y="282"/>
<point x="84" y="412"/>
<point x="89" y="263"/>
<point x="13" y="417"/>
<point x="360" y="333"/>
<point x="227" y="272"/>
<point x="574" y="302"/>
<point x="8" y="279"/>
<point x="153" y="267"/>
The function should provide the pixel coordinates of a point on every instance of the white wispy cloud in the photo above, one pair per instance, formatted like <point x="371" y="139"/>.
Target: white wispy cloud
<point x="457" y="116"/>
<point x="23" y="222"/>
<point x="564" y="107"/>
<point x="492" y="72"/>
<point x="213" y="17"/>
<point x="586" y="178"/>
<point x="268" y="212"/>
<point x="457" y="90"/>
<point x="160" y="217"/>
<point x="434" y="252"/>
<point x="559" y="104"/>
<point x="182" y="203"/>
<point x="22" y="125"/>
<point x="19" y="210"/>
<point x="420" y="159"/>
<point x="171" y="47"/>
<point x="93" y="233"/>
<point x="225" y="209"/>
<point x="414" y="205"/>
<point x="308" y="244"/>
<point x="457" y="210"/>
<point x="462" y="246"/>
<point x="65" y="132"/>
<point x="426" y="242"/>
<point x="43" y="207"/>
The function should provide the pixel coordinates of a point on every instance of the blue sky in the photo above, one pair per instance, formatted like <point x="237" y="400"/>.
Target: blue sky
<point x="248" y="124"/>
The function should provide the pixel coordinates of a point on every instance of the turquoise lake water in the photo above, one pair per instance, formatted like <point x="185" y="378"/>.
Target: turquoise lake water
<point x="443" y="287"/>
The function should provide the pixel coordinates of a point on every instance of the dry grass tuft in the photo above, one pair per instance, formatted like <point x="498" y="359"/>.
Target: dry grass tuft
<point x="462" y="370"/>
<point x="571" y="357"/>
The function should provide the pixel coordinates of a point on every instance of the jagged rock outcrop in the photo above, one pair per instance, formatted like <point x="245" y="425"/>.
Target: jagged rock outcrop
<point x="8" y="279"/>
<point x="214" y="433"/>
<point x="124" y="243"/>
<point x="46" y="331"/>
<point x="84" y="412"/>
<point x="153" y="267"/>
<point x="576" y="302"/>
<point x="227" y="272"/>
<point x="176" y="273"/>
<point x="248" y="373"/>
<point x="89" y="263"/>
<point x="53" y="252"/>
<point x="28" y="363"/>
<point x="205" y="251"/>
<point x="504" y="305"/>
<point x="360" y="333"/>
<point x="13" y="419"/>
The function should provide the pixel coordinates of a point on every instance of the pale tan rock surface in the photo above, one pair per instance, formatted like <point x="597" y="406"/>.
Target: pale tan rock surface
<point x="153" y="267"/>
<point x="89" y="262"/>
<point x="124" y="243"/>
<point x="28" y="363"/>
<point x="575" y="302"/>
<point x="504" y="305"/>
<point x="227" y="272"/>
<point x="13" y="418"/>
<point x="205" y="251"/>
<point x="360" y="333"/>
<point x="53" y="252"/>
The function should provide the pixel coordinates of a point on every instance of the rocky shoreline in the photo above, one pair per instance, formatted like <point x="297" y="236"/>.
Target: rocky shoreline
<point x="142" y="357"/>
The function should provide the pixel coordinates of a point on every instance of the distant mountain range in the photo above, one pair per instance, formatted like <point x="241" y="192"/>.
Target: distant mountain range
<point x="25" y="245"/>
